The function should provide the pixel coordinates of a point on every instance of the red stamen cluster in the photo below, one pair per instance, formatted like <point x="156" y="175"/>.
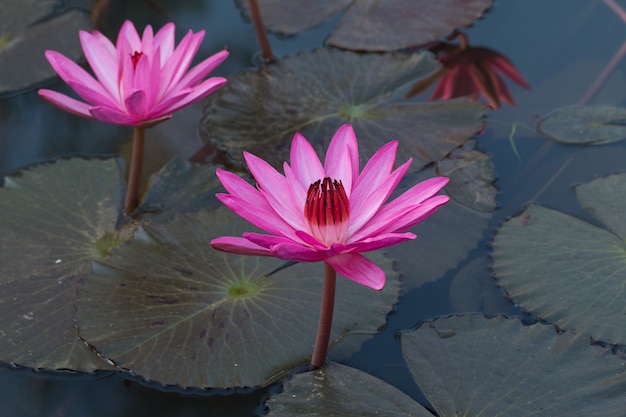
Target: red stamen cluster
<point x="135" y="58"/>
<point x="327" y="210"/>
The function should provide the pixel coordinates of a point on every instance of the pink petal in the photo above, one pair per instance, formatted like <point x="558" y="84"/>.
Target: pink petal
<point x="198" y="92"/>
<point x="177" y="65"/>
<point x="420" y="213"/>
<point x="298" y="193"/>
<point x="106" y="43"/>
<point x="66" y="103"/>
<point x="147" y="40"/>
<point x="501" y="63"/>
<point x="359" y="269"/>
<point x="113" y="116"/>
<point x="164" y="41"/>
<point x="297" y="253"/>
<point x="101" y="62"/>
<point x="266" y="241"/>
<point x="304" y="162"/>
<point x="202" y="70"/>
<point x="137" y="105"/>
<point x="379" y="241"/>
<point x="273" y="186"/>
<point x="342" y="157"/>
<point x="239" y="245"/>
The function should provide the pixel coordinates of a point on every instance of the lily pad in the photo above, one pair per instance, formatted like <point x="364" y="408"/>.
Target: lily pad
<point x="566" y="270"/>
<point x="25" y="35"/>
<point x="180" y="186"/>
<point x="472" y="366"/>
<point x="339" y="391"/>
<point x="383" y="25"/>
<point x="471" y="176"/>
<point x="588" y="125"/>
<point x="314" y="93"/>
<point x="55" y="219"/>
<point x="170" y="308"/>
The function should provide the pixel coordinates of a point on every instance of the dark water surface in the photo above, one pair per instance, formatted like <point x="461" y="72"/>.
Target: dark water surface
<point x="560" y="47"/>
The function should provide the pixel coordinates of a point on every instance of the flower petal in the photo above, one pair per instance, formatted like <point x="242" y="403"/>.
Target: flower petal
<point x="164" y="41"/>
<point x="342" y="157"/>
<point x="359" y="269"/>
<point x="202" y="70"/>
<point x="101" y="62"/>
<point x="194" y="94"/>
<point x="113" y="116"/>
<point x="297" y="253"/>
<point x="266" y="241"/>
<point x="239" y="245"/>
<point x="66" y="103"/>
<point x="379" y="241"/>
<point x="304" y="162"/>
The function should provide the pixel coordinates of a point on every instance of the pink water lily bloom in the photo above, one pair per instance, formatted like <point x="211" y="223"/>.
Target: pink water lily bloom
<point x="139" y="81"/>
<point x="328" y="212"/>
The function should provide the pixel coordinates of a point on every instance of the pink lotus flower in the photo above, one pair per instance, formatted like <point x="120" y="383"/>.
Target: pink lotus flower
<point x="140" y="81"/>
<point x="328" y="212"/>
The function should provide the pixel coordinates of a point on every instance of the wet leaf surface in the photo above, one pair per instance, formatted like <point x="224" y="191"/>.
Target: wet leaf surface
<point x="55" y="219"/>
<point x="566" y="270"/>
<point x="170" y="308"/>
<point x="473" y="366"/>
<point x="383" y="25"/>
<point x="587" y="125"/>
<point x="315" y="93"/>
<point x="25" y="35"/>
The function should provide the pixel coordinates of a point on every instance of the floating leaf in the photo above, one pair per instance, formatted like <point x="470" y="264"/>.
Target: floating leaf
<point x="373" y="26"/>
<point x="471" y="176"/>
<point x="339" y="391"/>
<point x="568" y="271"/>
<point x="179" y="187"/>
<point x="172" y="309"/>
<point x="587" y="125"/>
<point x="55" y="219"/>
<point x="472" y="366"/>
<point x="314" y="93"/>
<point x="25" y="35"/>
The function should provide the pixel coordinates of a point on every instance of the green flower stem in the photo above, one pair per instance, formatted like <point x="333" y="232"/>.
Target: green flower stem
<point x="326" y="318"/>
<point x="259" y="30"/>
<point x="134" y="177"/>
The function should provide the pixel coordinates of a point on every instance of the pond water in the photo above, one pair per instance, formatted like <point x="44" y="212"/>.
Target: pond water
<point x="561" y="47"/>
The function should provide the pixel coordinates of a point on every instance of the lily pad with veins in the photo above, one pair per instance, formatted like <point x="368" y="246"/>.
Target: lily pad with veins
<point x="169" y="307"/>
<point x="586" y="125"/>
<point x="27" y="29"/>
<point x="316" y="92"/>
<point x="383" y="25"/>
<point x="472" y="366"/>
<point x="566" y="270"/>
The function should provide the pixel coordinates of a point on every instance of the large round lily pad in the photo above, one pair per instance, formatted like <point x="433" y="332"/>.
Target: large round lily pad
<point x="169" y="307"/>
<point x="54" y="220"/>
<point x="587" y="125"/>
<point x="566" y="270"/>
<point x="316" y="92"/>
<point x="24" y="36"/>
<point x="472" y="366"/>
<point x="382" y="25"/>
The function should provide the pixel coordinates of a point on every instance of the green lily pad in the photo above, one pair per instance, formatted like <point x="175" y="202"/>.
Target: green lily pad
<point x="340" y="391"/>
<point x="471" y="176"/>
<point x="384" y="25"/>
<point x="180" y="186"/>
<point x="170" y="308"/>
<point x="472" y="366"/>
<point x="55" y="219"/>
<point x="566" y="270"/>
<point x="316" y="92"/>
<point x="588" y="125"/>
<point x="24" y="36"/>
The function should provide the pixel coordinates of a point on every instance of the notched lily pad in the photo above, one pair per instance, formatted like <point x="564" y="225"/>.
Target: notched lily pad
<point x="588" y="125"/>
<point x="472" y="366"/>
<point x="55" y="219"/>
<point x="471" y="176"/>
<point x="180" y="186"/>
<point x="566" y="270"/>
<point x="170" y="308"/>
<point x="24" y="37"/>
<point x="314" y="93"/>
<point x="383" y="25"/>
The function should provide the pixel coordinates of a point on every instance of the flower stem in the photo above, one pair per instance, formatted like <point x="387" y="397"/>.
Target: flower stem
<point x="134" y="177"/>
<point x="326" y="318"/>
<point x="259" y="30"/>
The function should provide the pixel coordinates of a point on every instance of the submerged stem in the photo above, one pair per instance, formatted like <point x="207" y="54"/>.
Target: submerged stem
<point x="259" y="30"/>
<point x="134" y="177"/>
<point x="326" y="319"/>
